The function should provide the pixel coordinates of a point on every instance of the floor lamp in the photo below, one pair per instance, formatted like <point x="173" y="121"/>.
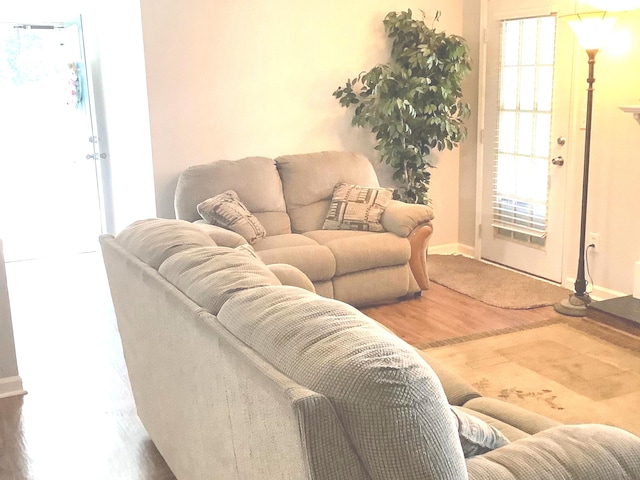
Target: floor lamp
<point x="591" y="30"/>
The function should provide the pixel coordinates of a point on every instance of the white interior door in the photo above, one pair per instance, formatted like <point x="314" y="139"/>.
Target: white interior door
<point x="50" y="185"/>
<point x="526" y="121"/>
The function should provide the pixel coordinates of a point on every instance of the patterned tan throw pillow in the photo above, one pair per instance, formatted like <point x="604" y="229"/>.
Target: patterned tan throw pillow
<point x="357" y="208"/>
<point x="226" y="210"/>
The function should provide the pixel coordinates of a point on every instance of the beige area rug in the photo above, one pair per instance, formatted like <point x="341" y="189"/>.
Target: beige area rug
<point x="491" y="284"/>
<point x="570" y="370"/>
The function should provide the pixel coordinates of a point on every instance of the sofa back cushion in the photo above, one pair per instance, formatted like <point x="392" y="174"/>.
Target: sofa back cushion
<point x="389" y="400"/>
<point x="308" y="181"/>
<point x="254" y="179"/>
<point x="156" y="239"/>
<point x="211" y="275"/>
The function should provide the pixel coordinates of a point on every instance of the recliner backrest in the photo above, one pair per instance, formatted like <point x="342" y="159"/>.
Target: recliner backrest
<point x="308" y="181"/>
<point x="254" y="179"/>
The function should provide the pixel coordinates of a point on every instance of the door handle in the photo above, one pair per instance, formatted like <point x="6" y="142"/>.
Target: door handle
<point x="559" y="161"/>
<point x="96" y="156"/>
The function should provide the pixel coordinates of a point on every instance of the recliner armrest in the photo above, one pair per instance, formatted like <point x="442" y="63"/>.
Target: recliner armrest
<point x="412" y="221"/>
<point x="569" y="452"/>
<point x="402" y="218"/>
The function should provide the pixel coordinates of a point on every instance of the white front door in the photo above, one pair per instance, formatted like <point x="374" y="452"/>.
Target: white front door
<point x="50" y="185"/>
<point x="529" y="59"/>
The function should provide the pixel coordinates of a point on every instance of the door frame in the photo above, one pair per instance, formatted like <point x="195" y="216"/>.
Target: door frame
<point x="559" y="7"/>
<point x="95" y="147"/>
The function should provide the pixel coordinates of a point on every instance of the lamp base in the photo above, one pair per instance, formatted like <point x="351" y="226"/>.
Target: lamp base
<point x="574" y="306"/>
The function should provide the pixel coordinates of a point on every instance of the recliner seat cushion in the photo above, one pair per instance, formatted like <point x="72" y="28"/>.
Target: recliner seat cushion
<point x="315" y="261"/>
<point x="370" y="287"/>
<point x="358" y="251"/>
<point x="389" y="400"/>
<point x="283" y="241"/>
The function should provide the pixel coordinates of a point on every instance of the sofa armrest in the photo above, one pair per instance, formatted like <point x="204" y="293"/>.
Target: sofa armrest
<point x="403" y="218"/>
<point x="222" y="236"/>
<point x="457" y="389"/>
<point x="569" y="452"/>
<point x="292" y="276"/>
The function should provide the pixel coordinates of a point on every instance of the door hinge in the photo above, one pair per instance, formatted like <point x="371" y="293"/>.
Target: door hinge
<point x="93" y="139"/>
<point x="480" y="230"/>
<point x="481" y="139"/>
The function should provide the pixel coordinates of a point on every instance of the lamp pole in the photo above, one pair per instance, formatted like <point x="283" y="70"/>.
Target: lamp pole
<point x="581" y="283"/>
<point x="576" y="304"/>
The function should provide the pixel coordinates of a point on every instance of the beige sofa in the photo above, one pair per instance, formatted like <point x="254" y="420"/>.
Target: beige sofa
<point x="236" y="376"/>
<point x="291" y="196"/>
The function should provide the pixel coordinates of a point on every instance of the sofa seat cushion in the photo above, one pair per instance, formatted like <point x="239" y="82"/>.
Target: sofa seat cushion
<point x="156" y="239"/>
<point x="358" y="251"/>
<point x="308" y="181"/>
<point x="211" y="275"/>
<point x="388" y="399"/>
<point x="514" y="415"/>
<point x="586" y="452"/>
<point x="510" y="433"/>
<point x="315" y="261"/>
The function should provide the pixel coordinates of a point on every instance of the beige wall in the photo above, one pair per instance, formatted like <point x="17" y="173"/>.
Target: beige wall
<point x="255" y="78"/>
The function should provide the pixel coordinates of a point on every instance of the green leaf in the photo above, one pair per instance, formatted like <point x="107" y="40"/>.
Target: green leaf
<point x="413" y="103"/>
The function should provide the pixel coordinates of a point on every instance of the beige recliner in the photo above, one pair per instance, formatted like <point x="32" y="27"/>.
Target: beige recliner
<point x="290" y="196"/>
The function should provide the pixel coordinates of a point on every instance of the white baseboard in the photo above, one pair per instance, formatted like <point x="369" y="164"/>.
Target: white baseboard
<point x="597" y="293"/>
<point x="452" y="249"/>
<point x="467" y="250"/>
<point x="11" y="386"/>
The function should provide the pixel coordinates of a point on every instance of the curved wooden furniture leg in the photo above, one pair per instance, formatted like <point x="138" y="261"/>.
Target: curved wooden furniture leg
<point x="419" y="240"/>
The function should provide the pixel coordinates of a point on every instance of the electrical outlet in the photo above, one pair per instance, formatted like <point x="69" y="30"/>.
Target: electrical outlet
<point x="594" y="239"/>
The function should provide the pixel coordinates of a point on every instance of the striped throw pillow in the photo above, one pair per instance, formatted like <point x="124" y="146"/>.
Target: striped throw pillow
<point x="357" y="208"/>
<point x="227" y="211"/>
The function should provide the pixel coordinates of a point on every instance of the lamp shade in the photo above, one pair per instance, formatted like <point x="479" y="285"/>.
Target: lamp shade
<point x="614" y="5"/>
<point x="591" y="28"/>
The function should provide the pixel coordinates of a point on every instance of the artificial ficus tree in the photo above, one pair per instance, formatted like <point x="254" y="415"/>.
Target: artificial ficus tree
<point x="413" y="104"/>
